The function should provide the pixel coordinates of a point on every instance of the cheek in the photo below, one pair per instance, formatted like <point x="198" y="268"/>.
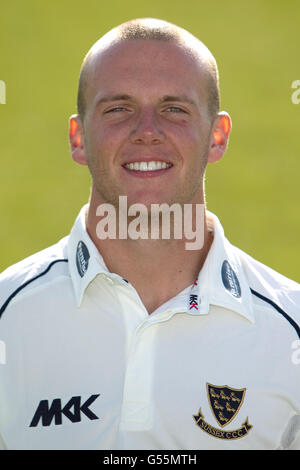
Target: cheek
<point x="188" y="141"/>
<point x="101" y="144"/>
<point x="195" y="149"/>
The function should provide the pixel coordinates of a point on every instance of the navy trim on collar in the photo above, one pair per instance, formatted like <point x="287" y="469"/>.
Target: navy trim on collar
<point x="279" y="309"/>
<point x="4" y="306"/>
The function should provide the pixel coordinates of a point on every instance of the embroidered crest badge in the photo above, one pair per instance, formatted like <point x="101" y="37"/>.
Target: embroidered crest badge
<point x="225" y="403"/>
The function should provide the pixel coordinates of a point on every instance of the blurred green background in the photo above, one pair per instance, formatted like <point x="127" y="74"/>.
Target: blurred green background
<point x="254" y="189"/>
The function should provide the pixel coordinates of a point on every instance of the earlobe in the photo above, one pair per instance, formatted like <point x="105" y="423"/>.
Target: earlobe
<point x="222" y="128"/>
<point x="76" y="140"/>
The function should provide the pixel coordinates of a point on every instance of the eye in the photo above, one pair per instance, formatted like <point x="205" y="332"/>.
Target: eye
<point x="175" y="109"/>
<point x="116" y="109"/>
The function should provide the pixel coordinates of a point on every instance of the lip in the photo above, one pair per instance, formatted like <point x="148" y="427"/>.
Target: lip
<point x="146" y="159"/>
<point x="147" y="174"/>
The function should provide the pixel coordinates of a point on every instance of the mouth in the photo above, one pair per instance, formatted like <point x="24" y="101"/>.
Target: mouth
<point x="146" y="166"/>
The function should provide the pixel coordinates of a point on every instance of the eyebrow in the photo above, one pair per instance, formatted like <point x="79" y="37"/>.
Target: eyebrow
<point x="180" y="99"/>
<point x="164" y="99"/>
<point x="109" y="98"/>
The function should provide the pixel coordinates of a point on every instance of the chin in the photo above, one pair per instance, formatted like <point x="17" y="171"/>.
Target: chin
<point x="147" y="199"/>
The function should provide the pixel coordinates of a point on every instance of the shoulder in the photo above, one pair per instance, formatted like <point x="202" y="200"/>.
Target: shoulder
<point x="40" y="268"/>
<point x="270" y="287"/>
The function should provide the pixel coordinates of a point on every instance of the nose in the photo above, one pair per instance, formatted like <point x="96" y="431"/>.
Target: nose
<point x="146" y="130"/>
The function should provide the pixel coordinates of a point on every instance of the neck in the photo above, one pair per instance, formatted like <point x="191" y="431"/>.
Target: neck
<point x="157" y="268"/>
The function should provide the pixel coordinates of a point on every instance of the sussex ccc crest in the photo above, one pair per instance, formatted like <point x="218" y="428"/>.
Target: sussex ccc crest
<point x="225" y="403"/>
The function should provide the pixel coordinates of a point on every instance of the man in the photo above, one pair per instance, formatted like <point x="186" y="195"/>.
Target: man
<point x="139" y="343"/>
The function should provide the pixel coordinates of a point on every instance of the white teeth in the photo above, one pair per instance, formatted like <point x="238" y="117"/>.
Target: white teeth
<point x="151" y="166"/>
<point x="147" y="166"/>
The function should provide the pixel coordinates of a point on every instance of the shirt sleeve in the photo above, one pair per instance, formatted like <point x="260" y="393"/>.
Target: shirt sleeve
<point x="291" y="437"/>
<point x="2" y="444"/>
<point x="295" y="445"/>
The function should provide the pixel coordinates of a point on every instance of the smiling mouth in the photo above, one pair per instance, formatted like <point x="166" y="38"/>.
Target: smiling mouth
<point x="148" y="166"/>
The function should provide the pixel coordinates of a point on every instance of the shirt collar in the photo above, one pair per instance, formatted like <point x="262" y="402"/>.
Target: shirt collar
<point x="221" y="281"/>
<point x="85" y="261"/>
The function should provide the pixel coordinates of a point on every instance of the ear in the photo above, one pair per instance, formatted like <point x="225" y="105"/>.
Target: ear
<point x="76" y="140"/>
<point x="220" y="136"/>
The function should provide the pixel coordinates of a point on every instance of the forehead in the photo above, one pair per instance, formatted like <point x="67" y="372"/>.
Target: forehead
<point x="145" y="66"/>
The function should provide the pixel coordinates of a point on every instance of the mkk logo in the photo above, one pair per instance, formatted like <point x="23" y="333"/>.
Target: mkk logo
<point x="72" y="410"/>
<point x="193" y="301"/>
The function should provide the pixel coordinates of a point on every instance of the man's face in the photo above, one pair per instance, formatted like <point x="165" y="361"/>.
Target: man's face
<point x="146" y="101"/>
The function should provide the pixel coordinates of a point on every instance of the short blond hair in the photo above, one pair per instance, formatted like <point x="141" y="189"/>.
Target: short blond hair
<point x="158" y="30"/>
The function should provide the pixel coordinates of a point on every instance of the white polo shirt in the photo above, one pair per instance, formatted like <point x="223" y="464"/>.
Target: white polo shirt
<point x="84" y="366"/>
